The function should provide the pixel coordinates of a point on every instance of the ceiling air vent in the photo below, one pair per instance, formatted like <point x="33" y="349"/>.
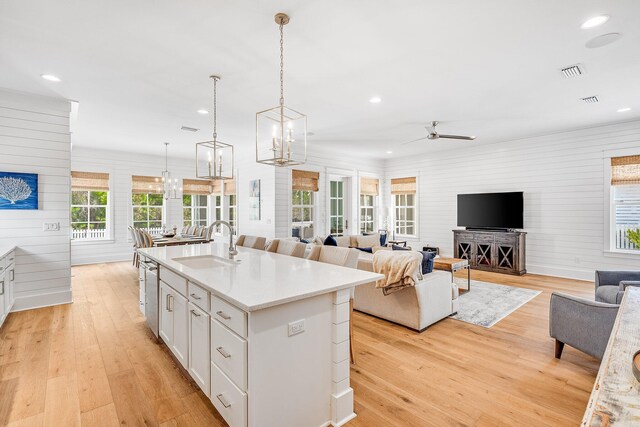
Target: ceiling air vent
<point x="590" y="99"/>
<point x="573" y="71"/>
<point x="188" y="129"/>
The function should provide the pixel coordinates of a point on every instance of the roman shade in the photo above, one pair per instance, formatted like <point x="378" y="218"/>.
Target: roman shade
<point x="202" y="187"/>
<point x="304" y="180"/>
<point x="230" y="187"/>
<point x="369" y="186"/>
<point x="625" y="170"/>
<point x="403" y="185"/>
<point x="89" y="181"/>
<point x="146" y="184"/>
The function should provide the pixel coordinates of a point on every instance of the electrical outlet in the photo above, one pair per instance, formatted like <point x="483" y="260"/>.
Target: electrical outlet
<point x="51" y="226"/>
<point x="296" y="327"/>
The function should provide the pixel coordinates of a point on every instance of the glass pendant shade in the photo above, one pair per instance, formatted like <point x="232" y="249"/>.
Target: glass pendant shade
<point x="214" y="160"/>
<point x="281" y="137"/>
<point x="170" y="189"/>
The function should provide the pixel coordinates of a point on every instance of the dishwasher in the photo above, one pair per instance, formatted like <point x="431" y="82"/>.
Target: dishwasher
<point x="151" y="295"/>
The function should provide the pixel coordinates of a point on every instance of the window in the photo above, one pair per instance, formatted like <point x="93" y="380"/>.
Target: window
<point x="89" y="205"/>
<point x="231" y="203"/>
<point x="403" y="191"/>
<point x="147" y="203"/>
<point x="625" y="201"/>
<point x="195" y="209"/>
<point x="336" y="212"/>
<point x="303" y="186"/>
<point x="368" y="194"/>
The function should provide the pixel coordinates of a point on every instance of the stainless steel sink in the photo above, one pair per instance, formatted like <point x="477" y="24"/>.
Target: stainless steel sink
<point x="205" y="261"/>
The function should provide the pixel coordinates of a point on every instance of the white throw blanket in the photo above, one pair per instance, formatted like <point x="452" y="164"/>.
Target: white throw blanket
<point x="401" y="269"/>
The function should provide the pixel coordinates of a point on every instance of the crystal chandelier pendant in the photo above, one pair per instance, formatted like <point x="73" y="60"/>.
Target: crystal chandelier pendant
<point x="281" y="132"/>
<point x="214" y="159"/>
<point x="170" y="188"/>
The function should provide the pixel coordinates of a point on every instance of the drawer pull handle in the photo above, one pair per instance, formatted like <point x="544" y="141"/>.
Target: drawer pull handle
<point x="196" y="297"/>
<point x="223" y="352"/>
<point x="222" y="400"/>
<point x="2" y="283"/>
<point x="224" y="315"/>
<point x="194" y="313"/>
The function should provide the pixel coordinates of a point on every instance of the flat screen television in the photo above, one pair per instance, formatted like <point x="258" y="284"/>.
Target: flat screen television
<point x="501" y="211"/>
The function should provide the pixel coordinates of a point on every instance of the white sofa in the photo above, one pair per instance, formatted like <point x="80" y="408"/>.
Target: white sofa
<point x="431" y="300"/>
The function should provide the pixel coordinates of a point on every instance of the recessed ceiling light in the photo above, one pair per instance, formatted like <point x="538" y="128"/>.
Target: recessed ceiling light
<point x="203" y="111"/>
<point x="50" y="77"/>
<point x="389" y="152"/>
<point x="375" y="100"/>
<point x="602" y="40"/>
<point x="595" y="21"/>
<point x="624" y="110"/>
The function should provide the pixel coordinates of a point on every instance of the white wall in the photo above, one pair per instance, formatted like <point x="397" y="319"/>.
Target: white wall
<point x="35" y="138"/>
<point x="562" y="176"/>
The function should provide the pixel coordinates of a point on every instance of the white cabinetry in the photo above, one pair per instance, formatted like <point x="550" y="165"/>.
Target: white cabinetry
<point x="199" y="337"/>
<point x="174" y="322"/>
<point x="7" y="285"/>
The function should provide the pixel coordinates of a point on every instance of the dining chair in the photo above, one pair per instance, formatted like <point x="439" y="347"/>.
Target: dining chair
<point x="345" y="257"/>
<point x="135" y="245"/>
<point x="254" y="242"/>
<point x="287" y="247"/>
<point x="209" y="233"/>
<point x="139" y="243"/>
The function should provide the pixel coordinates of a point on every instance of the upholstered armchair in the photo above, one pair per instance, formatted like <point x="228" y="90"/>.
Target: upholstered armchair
<point x="254" y="242"/>
<point x="583" y="324"/>
<point x="610" y="285"/>
<point x="287" y="247"/>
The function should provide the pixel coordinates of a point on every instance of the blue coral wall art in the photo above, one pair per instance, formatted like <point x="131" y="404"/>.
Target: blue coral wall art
<point x="18" y="190"/>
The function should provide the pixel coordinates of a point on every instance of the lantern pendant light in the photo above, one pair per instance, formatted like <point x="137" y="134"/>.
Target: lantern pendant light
<point x="169" y="187"/>
<point x="281" y="132"/>
<point x="214" y="159"/>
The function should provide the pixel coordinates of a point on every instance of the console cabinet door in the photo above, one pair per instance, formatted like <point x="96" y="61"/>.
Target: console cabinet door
<point x="166" y="314"/>
<point x="180" y="344"/>
<point x="3" y="296"/>
<point x="199" y="348"/>
<point x="10" y="294"/>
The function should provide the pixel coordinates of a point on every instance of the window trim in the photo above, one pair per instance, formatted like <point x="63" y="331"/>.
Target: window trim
<point x="193" y="208"/>
<point x="415" y="215"/>
<point x="108" y="212"/>
<point x="131" y="206"/>
<point x="392" y="205"/>
<point x="377" y="201"/>
<point x="311" y="206"/>
<point x="373" y="208"/>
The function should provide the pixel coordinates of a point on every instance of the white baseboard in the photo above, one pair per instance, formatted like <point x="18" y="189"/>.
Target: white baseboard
<point x="568" y="273"/>
<point x="100" y="259"/>
<point x="42" y="300"/>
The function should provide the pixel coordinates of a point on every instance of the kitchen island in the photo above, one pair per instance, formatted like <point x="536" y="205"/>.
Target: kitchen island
<point x="264" y="335"/>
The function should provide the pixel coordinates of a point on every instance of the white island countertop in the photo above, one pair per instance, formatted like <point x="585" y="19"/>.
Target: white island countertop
<point x="261" y="279"/>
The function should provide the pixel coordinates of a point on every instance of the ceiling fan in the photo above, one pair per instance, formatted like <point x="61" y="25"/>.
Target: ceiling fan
<point x="433" y="134"/>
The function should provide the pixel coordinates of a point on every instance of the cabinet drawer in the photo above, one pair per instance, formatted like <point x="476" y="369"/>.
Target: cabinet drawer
<point x="199" y="296"/>
<point x="229" y="315"/>
<point x="484" y="238"/>
<point x="172" y="279"/>
<point x="509" y="239"/>
<point x="230" y="402"/>
<point x="229" y="353"/>
<point x="467" y="237"/>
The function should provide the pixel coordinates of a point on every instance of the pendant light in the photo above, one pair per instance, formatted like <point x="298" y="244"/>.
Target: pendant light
<point x="281" y="132"/>
<point x="169" y="186"/>
<point x="214" y="159"/>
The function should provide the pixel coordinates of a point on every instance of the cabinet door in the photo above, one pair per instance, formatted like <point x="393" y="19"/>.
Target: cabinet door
<point x="4" y="284"/>
<point x="465" y="249"/>
<point x="199" y="357"/>
<point x="505" y="257"/>
<point x="10" y="292"/>
<point x="166" y="314"/>
<point x="180" y="343"/>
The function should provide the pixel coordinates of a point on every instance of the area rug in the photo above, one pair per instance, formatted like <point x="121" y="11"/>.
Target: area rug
<point x="488" y="303"/>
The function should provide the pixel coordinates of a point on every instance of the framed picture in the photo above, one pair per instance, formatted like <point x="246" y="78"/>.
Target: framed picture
<point x="18" y="190"/>
<point x="254" y="200"/>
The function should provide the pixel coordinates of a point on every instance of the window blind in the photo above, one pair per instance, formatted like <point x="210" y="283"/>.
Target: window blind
<point x="230" y="187"/>
<point x="200" y="187"/>
<point x="403" y="185"/>
<point x="304" y="180"/>
<point x="625" y="170"/>
<point x="369" y="186"/>
<point x="146" y="184"/>
<point x="91" y="181"/>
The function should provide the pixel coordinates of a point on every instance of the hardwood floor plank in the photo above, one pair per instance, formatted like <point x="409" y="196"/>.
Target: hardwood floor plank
<point x="103" y="416"/>
<point x="131" y="404"/>
<point x="93" y="385"/>
<point x="62" y="406"/>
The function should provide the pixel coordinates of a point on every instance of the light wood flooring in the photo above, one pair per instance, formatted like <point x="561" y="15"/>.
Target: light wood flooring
<point x="92" y="363"/>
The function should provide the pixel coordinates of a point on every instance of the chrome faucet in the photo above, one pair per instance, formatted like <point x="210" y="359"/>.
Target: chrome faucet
<point x="232" y="247"/>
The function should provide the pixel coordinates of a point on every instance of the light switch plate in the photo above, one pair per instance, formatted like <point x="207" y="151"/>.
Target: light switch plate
<point x="296" y="327"/>
<point x="51" y="226"/>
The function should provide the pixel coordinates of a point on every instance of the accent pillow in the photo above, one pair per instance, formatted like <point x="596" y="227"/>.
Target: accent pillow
<point x="427" y="261"/>
<point x="305" y="241"/>
<point x="368" y="250"/>
<point x="399" y="248"/>
<point x="383" y="239"/>
<point x="330" y="241"/>
<point x="343" y="241"/>
<point x="367" y="241"/>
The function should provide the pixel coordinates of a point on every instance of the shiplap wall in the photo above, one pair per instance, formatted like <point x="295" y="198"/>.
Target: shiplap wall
<point x="121" y="166"/>
<point x="35" y="138"/>
<point x="248" y="170"/>
<point x="562" y="176"/>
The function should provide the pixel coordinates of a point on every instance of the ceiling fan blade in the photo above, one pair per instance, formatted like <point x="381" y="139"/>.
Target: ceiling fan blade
<point x="415" y="140"/>
<point x="466" y="138"/>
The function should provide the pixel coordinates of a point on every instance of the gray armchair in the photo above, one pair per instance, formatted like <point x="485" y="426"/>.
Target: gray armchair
<point x="610" y="285"/>
<point x="581" y="323"/>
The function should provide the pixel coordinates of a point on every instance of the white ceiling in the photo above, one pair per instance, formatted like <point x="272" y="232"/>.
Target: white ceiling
<point x="489" y="68"/>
